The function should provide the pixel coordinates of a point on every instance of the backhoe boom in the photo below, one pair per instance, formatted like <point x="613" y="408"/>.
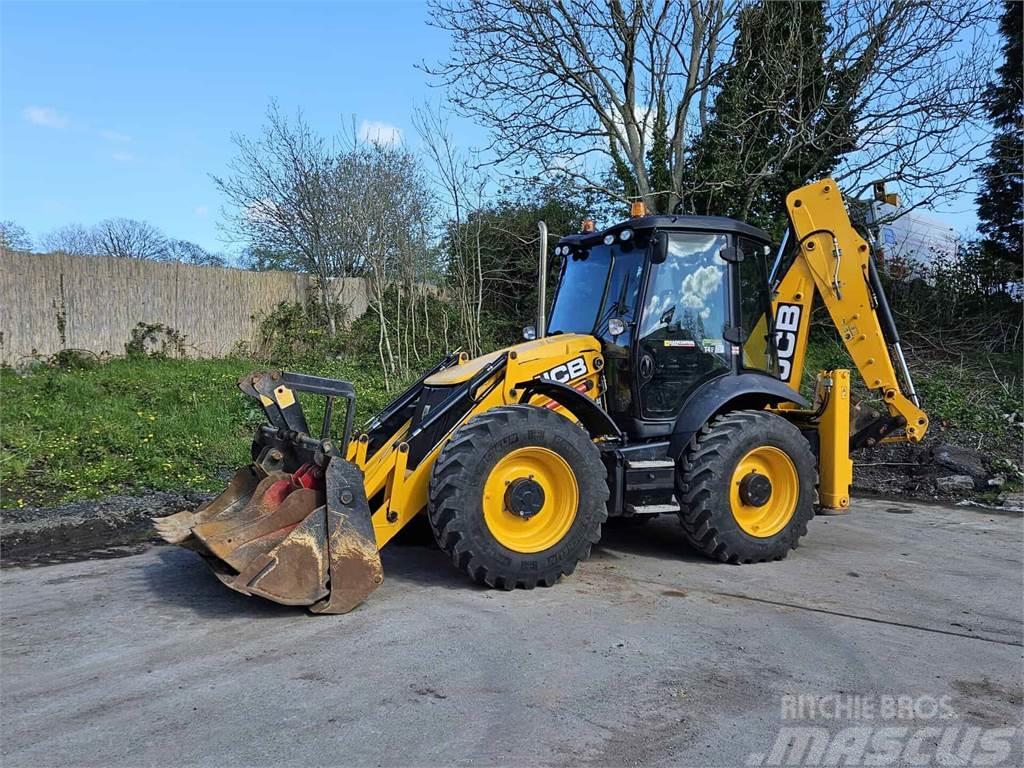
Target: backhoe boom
<point x="833" y="260"/>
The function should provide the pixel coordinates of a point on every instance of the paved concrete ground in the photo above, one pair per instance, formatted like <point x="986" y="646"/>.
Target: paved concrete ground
<point x="647" y="655"/>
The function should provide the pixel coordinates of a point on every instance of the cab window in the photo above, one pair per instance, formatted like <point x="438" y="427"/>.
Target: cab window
<point x="758" y="354"/>
<point x="682" y="324"/>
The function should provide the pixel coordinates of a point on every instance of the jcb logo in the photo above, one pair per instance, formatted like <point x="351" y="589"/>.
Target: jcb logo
<point x="567" y="371"/>
<point x="787" y="326"/>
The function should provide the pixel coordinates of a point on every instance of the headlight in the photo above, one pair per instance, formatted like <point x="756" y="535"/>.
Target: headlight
<point x="616" y="327"/>
<point x="609" y="239"/>
<point x="625" y="235"/>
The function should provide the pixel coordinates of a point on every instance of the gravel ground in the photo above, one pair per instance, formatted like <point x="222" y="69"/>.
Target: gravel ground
<point x="111" y="527"/>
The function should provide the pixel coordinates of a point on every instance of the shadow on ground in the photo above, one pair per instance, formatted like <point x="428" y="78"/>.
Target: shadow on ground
<point x="661" y="538"/>
<point x="181" y="578"/>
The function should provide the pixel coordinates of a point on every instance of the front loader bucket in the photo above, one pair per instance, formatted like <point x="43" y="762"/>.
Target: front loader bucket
<point x="294" y="526"/>
<point x="302" y="553"/>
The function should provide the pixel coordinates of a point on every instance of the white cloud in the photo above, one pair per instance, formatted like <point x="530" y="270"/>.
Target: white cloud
<point x="379" y="133"/>
<point x="699" y="285"/>
<point x="45" y="116"/>
<point x="202" y="211"/>
<point x="122" y="157"/>
<point x="645" y="124"/>
<point x="115" y="136"/>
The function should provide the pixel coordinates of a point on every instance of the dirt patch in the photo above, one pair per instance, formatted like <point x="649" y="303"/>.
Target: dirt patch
<point x="935" y="471"/>
<point x="81" y="530"/>
<point x="989" y="702"/>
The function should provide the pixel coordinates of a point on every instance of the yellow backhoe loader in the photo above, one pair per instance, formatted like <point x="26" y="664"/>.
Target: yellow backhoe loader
<point x="666" y="380"/>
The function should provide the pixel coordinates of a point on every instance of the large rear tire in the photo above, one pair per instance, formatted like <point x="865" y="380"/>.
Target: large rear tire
<point x="747" y="487"/>
<point x="518" y="496"/>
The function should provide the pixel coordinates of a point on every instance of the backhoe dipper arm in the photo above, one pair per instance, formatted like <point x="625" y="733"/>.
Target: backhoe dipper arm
<point x="835" y="261"/>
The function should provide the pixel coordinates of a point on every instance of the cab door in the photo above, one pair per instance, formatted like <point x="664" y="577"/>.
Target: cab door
<point x="681" y="332"/>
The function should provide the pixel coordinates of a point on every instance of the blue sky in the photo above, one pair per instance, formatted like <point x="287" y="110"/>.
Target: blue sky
<point x="124" y="108"/>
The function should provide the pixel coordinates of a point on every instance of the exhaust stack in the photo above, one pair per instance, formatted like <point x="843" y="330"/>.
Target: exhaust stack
<point x="542" y="280"/>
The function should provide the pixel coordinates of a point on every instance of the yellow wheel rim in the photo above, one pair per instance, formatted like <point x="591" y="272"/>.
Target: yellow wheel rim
<point x="767" y="519"/>
<point x="544" y="528"/>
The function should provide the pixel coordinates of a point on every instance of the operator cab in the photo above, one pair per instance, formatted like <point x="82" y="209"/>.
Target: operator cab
<point x="672" y="300"/>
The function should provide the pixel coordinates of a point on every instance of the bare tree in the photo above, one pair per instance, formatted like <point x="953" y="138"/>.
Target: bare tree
<point x="14" y="237"/>
<point x="389" y="204"/>
<point x="283" y="198"/>
<point x="578" y="86"/>
<point x="914" y="74"/>
<point x="460" y="188"/>
<point x="130" y="239"/>
<point x="72" y="239"/>
<point x="187" y="252"/>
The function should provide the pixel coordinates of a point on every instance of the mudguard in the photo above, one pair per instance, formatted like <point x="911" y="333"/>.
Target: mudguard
<point x="727" y="393"/>
<point x="590" y="414"/>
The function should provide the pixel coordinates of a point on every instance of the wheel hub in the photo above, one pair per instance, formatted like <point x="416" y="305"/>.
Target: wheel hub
<point x="524" y="497"/>
<point x="764" y="491"/>
<point x="529" y="499"/>
<point x="755" y="489"/>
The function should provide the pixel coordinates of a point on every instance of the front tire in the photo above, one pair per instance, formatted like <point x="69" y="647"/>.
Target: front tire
<point x="518" y="496"/>
<point x="747" y="487"/>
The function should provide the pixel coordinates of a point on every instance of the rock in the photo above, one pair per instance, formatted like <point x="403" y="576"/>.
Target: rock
<point x="997" y="482"/>
<point x="954" y="484"/>
<point x="960" y="461"/>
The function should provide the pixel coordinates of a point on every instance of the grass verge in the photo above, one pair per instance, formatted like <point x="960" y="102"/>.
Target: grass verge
<point x="137" y="424"/>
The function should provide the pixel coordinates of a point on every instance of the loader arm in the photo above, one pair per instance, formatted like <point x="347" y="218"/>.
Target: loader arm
<point x="834" y="261"/>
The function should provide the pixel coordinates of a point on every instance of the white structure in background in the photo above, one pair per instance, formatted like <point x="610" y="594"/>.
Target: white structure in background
<point x="909" y="243"/>
<point x="913" y="239"/>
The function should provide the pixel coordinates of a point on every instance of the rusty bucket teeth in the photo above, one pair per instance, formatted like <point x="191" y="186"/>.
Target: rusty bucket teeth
<point x="264" y="499"/>
<point x="240" y="541"/>
<point x="177" y="528"/>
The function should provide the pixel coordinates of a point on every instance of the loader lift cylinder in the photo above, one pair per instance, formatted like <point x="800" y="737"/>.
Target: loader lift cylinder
<point x="774" y="273"/>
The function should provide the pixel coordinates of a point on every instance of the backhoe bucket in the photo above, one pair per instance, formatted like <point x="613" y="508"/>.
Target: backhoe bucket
<point x="298" y="538"/>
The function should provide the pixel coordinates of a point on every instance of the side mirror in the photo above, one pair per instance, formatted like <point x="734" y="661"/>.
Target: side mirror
<point x="529" y="333"/>
<point x="660" y="251"/>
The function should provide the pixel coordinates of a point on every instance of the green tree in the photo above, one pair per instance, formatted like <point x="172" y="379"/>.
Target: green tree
<point x="1002" y="177"/>
<point x="780" y="118"/>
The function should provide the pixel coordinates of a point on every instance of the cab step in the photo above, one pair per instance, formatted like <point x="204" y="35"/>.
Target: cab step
<point x="653" y="509"/>
<point x="650" y="464"/>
